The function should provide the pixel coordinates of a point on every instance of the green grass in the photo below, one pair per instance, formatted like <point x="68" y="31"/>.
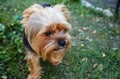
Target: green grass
<point x="95" y="51"/>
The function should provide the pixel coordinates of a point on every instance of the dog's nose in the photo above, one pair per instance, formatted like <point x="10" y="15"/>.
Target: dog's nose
<point x="62" y="42"/>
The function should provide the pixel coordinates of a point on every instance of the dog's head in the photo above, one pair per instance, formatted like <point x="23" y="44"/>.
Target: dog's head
<point x="47" y="31"/>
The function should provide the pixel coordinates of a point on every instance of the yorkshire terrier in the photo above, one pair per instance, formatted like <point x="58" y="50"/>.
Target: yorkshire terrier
<point x="46" y="35"/>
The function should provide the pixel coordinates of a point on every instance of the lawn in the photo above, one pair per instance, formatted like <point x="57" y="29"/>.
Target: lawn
<point x="95" y="51"/>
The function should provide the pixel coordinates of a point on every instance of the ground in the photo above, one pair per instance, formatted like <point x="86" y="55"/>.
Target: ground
<point x="95" y="51"/>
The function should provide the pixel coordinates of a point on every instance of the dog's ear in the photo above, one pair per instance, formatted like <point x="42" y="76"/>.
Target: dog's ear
<point x="28" y="12"/>
<point x="64" y="10"/>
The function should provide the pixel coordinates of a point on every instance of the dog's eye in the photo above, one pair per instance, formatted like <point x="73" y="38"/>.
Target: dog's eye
<point x="48" y="33"/>
<point x="65" y="30"/>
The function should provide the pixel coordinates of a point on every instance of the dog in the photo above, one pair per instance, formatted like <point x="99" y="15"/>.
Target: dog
<point x="46" y="35"/>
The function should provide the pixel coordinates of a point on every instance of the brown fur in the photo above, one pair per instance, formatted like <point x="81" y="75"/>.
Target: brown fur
<point x="38" y="22"/>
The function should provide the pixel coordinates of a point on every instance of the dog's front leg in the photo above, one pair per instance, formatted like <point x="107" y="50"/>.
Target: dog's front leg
<point x="33" y="66"/>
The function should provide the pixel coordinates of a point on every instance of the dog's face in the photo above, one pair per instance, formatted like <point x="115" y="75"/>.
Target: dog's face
<point x="53" y="42"/>
<point x="48" y="33"/>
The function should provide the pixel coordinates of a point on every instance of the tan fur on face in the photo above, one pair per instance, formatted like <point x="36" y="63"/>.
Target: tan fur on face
<point x="46" y="44"/>
<point x="37" y="22"/>
<point x="37" y="18"/>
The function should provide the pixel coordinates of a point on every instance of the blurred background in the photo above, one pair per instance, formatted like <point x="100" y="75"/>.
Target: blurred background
<point x="95" y="51"/>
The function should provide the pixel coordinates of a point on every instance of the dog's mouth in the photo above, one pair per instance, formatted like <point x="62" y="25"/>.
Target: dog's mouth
<point x="58" y="48"/>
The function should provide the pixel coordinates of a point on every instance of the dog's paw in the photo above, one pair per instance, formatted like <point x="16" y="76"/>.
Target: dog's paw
<point x="34" y="76"/>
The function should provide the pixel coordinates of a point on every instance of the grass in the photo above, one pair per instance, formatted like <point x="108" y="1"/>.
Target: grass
<point x="95" y="52"/>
